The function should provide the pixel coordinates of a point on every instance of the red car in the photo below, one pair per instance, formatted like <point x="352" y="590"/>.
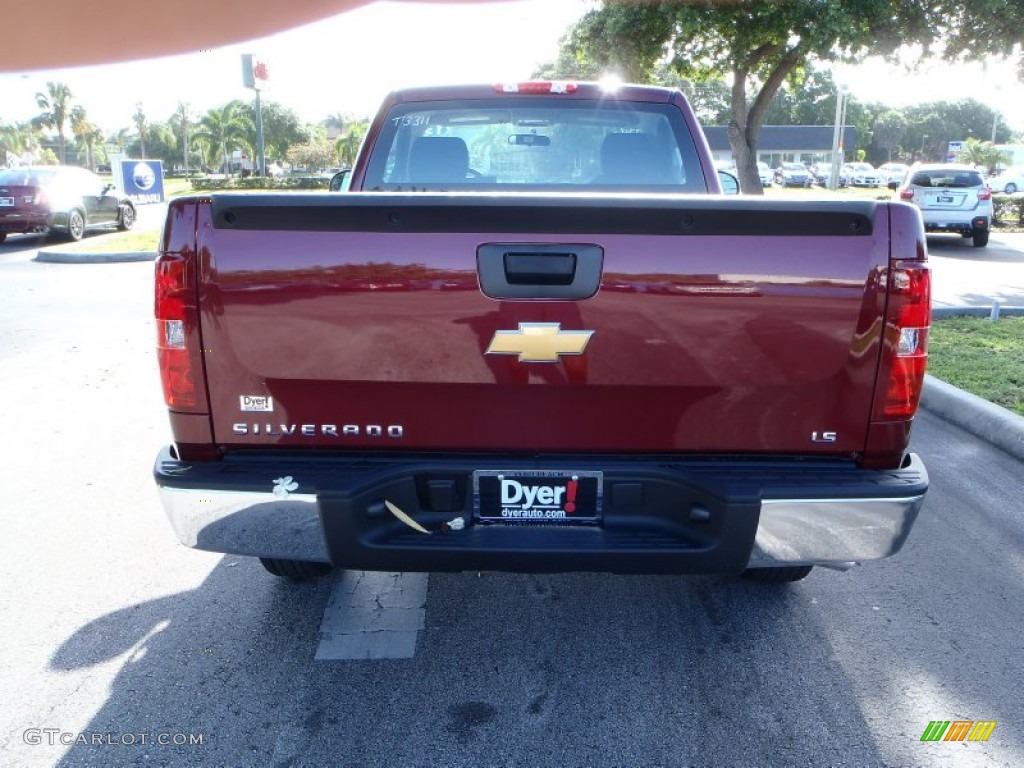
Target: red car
<point x="56" y="198"/>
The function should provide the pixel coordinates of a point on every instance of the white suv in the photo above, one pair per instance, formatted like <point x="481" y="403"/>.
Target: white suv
<point x="952" y="198"/>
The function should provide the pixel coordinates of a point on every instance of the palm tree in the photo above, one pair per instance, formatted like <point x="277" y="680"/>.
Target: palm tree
<point x="981" y="153"/>
<point x="224" y="128"/>
<point x="85" y="132"/>
<point x="120" y="139"/>
<point x="348" y="145"/>
<point x="139" y="118"/>
<point x="337" y="121"/>
<point x="182" y="121"/>
<point x="56" y="105"/>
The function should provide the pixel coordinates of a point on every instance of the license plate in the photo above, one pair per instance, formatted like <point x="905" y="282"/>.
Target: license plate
<point x="6" y="202"/>
<point x="554" y="497"/>
<point x="944" y="199"/>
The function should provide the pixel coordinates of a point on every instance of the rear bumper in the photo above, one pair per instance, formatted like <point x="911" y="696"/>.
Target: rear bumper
<point x="16" y="222"/>
<point x="964" y="222"/>
<point x="660" y="516"/>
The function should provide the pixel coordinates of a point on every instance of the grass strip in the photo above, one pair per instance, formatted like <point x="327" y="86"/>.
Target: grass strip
<point x="980" y="357"/>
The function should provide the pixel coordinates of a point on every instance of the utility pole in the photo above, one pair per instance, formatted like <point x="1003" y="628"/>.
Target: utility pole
<point x="255" y="76"/>
<point x="837" y="137"/>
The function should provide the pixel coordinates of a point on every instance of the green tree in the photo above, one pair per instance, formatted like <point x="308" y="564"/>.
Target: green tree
<point x="760" y="44"/>
<point x="223" y="129"/>
<point x="18" y="139"/>
<point x="56" y="105"/>
<point x="281" y="129"/>
<point x="86" y="133"/>
<point x="889" y="130"/>
<point x="120" y="139"/>
<point x="347" y="145"/>
<point x="313" y="156"/>
<point x="141" y="125"/>
<point x="163" y="144"/>
<point x="931" y="126"/>
<point x="181" y="125"/>
<point x="710" y="101"/>
<point x="975" y="30"/>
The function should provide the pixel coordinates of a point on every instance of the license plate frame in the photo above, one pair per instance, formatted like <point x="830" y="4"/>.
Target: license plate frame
<point x="944" y="199"/>
<point x="517" y="497"/>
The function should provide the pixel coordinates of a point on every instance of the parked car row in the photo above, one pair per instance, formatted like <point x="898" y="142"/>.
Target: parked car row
<point x="796" y="174"/>
<point x="891" y="175"/>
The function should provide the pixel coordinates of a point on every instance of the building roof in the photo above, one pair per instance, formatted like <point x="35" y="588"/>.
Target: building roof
<point x="786" y="138"/>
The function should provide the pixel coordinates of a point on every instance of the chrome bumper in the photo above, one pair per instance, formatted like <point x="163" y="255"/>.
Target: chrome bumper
<point x="831" y="531"/>
<point x="247" y="523"/>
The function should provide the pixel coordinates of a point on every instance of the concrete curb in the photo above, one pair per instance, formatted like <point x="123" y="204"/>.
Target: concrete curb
<point x="78" y="257"/>
<point x="992" y="423"/>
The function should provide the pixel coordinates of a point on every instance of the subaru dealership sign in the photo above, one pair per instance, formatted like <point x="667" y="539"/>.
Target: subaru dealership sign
<point x="142" y="180"/>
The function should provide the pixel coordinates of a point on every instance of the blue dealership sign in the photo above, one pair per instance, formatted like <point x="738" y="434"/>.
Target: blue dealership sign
<point x="143" y="180"/>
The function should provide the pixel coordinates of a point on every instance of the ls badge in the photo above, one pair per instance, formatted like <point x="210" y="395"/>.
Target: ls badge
<point x="539" y="342"/>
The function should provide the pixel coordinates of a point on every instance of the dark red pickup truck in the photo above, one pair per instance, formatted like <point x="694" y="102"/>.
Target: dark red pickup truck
<point x="535" y="336"/>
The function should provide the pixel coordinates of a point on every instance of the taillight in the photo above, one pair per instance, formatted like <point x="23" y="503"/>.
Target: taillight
<point x="537" y="86"/>
<point x="906" y="339"/>
<point x="906" y="194"/>
<point x="177" y="332"/>
<point x="985" y="194"/>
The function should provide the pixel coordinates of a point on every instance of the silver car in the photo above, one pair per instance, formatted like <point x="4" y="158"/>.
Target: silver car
<point x="952" y="198"/>
<point x="1010" y="181"/>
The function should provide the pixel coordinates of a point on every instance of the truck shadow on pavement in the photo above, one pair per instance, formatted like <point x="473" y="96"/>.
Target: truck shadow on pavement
<point x="575" y="669"/>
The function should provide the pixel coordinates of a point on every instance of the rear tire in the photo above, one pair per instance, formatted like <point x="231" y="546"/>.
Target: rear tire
<point x="296" y="570"/>
<point x="980" y="238"/>
<point x="777" y="575"/>
<point x="1010" y="188"/>
<point x="76" y="225"/>
<point x="127" y="218"/>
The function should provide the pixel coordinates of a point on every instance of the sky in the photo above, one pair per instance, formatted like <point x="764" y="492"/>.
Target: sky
<point x="347" y="64"/>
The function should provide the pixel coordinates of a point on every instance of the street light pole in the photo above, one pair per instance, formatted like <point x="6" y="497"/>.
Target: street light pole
<point x="261" y="161"/>
<point x="837" y="137"/>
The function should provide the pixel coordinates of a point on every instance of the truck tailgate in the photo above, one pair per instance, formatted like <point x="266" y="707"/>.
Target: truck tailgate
<point x="357" y="321"/>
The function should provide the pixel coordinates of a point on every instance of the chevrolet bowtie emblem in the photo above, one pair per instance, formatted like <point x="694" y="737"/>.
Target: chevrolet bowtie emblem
<point x="539" y="342"/>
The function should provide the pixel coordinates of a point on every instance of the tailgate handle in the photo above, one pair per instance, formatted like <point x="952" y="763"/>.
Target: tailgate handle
<point x="540" y="268"/>
<point x="558" y="271"/>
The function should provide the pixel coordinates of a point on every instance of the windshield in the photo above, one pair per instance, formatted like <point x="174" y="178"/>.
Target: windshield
<point x="534" y="144"/>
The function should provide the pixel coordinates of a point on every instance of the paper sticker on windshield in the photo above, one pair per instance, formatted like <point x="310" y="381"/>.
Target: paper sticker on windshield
<point x="256" y="403"/>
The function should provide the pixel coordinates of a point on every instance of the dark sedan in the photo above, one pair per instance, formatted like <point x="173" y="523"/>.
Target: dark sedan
<point x="57" y="198"/>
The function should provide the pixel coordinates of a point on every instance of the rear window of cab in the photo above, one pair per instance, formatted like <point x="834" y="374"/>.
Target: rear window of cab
<point x="946" y="178"/>
<point x="534" y="144"/>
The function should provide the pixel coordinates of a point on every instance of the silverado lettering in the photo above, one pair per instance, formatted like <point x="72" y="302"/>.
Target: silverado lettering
<point x="312" y="430"/>
<point x="587" y="351"/>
